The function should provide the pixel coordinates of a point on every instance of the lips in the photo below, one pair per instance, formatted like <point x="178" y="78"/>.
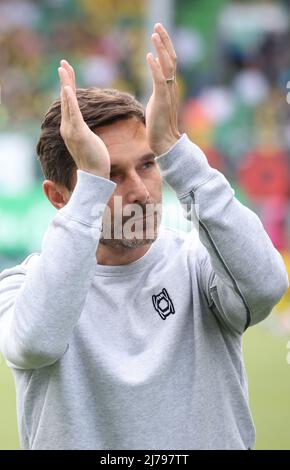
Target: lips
<point x="145" y="216"/>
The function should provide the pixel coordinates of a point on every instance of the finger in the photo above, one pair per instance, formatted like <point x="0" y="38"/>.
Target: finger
<point x="65" y="78"/>
<point x="159" y="28"/>
<point x="163" y="56"/>
<point x="65" y="64"/>
<point x="159" y="83"/>
<point x="63" y="98"/>
<point x="75" y="114"/>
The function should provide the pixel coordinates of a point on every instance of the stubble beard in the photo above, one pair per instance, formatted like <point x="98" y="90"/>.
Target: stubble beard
<point x="139" y="239"/>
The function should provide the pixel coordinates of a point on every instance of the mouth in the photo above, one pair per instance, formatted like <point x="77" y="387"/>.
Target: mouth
<point x="145" y="216"/>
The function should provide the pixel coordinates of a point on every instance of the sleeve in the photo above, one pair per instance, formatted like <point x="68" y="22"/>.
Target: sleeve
<point x="240" y="271"/>
<point x="42" y="299"/>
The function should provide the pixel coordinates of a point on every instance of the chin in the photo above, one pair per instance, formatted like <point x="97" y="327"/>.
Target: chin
<point x="135" y="242"/>
<point x="138" y="238"/>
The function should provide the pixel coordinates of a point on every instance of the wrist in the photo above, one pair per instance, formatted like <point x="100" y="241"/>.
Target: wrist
<point x="95" y="171"/>
<point x="166" y="144"/>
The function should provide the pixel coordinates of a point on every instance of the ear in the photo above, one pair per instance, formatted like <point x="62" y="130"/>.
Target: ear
<point x="56" y="193"/>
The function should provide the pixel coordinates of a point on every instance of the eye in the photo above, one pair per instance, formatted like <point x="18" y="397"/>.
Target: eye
<point x="114" y="176"/>
<point x="148" y="164"/>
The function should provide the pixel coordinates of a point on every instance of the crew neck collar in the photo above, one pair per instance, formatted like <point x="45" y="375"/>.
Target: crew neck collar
<point x="135" y="266"/>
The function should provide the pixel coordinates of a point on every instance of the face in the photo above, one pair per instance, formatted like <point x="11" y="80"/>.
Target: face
<point x="134" y="210"/>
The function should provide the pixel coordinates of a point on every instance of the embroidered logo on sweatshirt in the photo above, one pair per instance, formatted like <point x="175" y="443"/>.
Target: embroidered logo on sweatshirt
<point x="163" y="304"/>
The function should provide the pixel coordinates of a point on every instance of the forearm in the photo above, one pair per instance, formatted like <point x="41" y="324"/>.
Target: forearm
<point x="49" y="303"/>
<point x="241" y="253"/>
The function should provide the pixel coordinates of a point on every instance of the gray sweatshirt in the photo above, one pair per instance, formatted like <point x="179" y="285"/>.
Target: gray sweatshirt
<point x="146" y="355"/>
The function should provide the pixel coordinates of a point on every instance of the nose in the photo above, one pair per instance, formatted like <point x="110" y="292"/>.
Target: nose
<point x="137" y="191"/>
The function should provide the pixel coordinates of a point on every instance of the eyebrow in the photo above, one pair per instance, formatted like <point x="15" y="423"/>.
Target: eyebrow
<point x="147" y="156"/>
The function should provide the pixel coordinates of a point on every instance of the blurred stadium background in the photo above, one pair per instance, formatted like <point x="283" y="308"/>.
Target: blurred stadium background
<point x="234" y="78"/>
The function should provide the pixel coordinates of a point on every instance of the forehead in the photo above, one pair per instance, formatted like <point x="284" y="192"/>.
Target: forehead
<point x="127" y="136"/>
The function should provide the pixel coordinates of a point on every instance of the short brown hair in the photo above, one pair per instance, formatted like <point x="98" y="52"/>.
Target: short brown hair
<point x="99" y="107"/>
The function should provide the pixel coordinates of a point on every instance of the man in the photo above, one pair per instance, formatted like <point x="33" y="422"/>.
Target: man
<point x="141" y="349"/>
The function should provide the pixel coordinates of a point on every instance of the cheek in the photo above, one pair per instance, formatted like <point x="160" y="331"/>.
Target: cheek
<point x="154" y="186"/>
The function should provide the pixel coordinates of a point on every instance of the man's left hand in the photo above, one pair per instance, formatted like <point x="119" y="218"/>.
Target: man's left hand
<point x="162" y="108"/>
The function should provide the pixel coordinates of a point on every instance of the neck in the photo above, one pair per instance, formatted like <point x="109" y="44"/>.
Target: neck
<point x="114" y="256"/>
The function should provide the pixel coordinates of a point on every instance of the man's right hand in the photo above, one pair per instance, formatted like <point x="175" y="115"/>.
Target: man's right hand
<point x="86" y="148"/>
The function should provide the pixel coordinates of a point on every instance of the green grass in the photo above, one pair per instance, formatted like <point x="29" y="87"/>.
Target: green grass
<point x="269" y="387"/>
<point x="8" y="424"/>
